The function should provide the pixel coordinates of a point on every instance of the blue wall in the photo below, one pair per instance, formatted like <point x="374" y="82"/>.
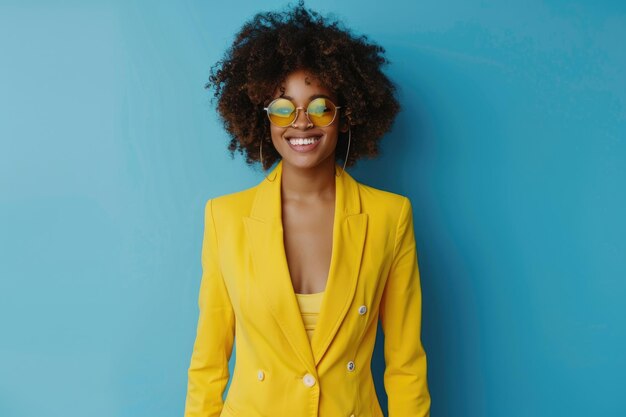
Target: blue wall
<point x="511" y="145"/>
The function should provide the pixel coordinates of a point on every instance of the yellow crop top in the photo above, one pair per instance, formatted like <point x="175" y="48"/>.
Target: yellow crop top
<point x="309" y="310"/>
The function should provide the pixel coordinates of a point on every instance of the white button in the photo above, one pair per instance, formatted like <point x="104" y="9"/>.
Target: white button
<point x="261" y="375"/>
<point x="308" y="380"/>
<point x="351" y="415"/>
<point x="362" y="310"/>
<point x="350" y="366"/>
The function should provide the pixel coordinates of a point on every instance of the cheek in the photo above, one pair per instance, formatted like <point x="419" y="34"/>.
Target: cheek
<point x="276" y="133"/>
<point x="332" y="132"/>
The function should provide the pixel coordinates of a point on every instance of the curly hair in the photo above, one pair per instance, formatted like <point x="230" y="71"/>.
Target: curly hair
<point x="273" y="44"/>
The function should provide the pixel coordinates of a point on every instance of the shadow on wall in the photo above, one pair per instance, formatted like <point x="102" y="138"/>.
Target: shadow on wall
<point x="410" y="164"/>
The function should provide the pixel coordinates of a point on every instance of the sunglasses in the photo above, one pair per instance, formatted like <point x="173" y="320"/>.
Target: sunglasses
<point x="320" y="111"/>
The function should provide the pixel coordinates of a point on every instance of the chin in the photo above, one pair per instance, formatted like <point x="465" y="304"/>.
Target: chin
<point x="308" y="161"/>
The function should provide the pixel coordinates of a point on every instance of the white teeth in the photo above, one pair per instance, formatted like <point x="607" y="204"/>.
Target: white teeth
<point x="303" y="141"/>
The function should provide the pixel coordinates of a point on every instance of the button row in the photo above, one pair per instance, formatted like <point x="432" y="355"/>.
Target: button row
<point x="307" y="379"/>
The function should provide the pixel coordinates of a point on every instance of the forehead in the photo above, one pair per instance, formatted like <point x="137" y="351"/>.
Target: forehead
<point x="300" y="85"/>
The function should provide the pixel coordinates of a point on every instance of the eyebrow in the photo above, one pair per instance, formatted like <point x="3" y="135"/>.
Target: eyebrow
<point x="313" y="97"/>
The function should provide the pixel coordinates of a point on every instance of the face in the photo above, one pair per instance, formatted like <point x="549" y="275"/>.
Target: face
<point x="301" y="87"/>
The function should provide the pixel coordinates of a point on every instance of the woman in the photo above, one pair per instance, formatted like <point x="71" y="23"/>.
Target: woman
<point x="298" y="269"/>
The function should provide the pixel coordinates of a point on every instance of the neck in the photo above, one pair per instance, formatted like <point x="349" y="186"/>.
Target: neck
<point x="308" y="183"/>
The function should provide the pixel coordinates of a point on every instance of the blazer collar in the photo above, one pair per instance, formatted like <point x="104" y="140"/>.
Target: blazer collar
<point x="264" y="231"/>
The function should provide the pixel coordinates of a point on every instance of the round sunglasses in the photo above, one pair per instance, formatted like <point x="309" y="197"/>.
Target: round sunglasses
<point x="283" y="112"/>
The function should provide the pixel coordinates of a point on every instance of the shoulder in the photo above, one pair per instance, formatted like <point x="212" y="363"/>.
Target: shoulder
<point x="393" y="212"/>
<point x="378" y="201"/>
<point x="231" y="205"/>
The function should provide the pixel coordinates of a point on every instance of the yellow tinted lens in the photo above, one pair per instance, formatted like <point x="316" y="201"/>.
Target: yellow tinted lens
<point x="281" y="112"/>
<point x="321" y="111"/>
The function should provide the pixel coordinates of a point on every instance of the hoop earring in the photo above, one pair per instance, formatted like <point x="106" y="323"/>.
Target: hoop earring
<point x="261" y="156"/>
<point x="348" y="151"/>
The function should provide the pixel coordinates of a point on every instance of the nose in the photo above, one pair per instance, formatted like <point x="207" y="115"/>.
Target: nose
<point x="302" y="119"/>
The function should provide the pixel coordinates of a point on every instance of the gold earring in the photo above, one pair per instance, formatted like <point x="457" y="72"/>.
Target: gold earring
<point x="262" y="166"/>
<point x="346" y="159"/>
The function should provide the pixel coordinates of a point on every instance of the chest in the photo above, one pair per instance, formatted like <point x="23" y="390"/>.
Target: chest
<point x="308" y="240"/>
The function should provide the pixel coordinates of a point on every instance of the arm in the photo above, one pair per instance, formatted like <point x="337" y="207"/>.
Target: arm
<point x="208" y="371"/>
<point x="400" y="314"/>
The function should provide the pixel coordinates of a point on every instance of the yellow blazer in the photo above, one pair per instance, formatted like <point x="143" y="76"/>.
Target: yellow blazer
<point x="246" y="291"/>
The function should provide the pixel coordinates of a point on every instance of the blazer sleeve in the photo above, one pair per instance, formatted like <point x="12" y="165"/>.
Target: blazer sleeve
<point x="400" y="314"/>
<point x="208" y="371"/>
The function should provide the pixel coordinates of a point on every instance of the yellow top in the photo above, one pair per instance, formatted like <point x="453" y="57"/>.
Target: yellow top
<point x="309" y="310"/>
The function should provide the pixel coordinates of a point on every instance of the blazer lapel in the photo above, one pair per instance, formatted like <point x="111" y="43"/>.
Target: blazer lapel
<point x="264" y="230"/>
<point x="348" y="240"/>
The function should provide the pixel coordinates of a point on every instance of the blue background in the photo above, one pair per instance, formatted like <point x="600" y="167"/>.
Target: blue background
<point x="511" y="146"/>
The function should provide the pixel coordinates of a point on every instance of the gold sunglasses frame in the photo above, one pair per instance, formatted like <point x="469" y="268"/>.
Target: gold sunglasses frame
<point x="267" y="111"/>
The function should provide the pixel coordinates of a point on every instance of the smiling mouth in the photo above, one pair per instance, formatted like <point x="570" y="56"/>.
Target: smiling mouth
<point x="303" y="140"/>
<point x="305" y="143"/>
